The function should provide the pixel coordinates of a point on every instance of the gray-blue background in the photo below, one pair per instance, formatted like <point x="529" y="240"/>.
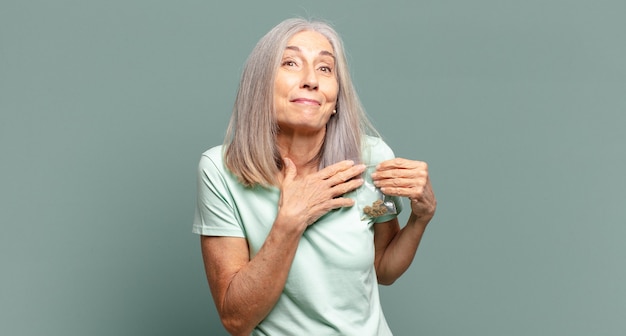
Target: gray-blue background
<point x="518" y="106"/>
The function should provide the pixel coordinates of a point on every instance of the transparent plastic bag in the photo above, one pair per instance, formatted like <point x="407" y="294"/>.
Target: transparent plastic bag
<point x="371" y="201"/>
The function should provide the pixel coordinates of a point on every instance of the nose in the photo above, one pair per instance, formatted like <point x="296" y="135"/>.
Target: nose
<point x="309" y="79"/>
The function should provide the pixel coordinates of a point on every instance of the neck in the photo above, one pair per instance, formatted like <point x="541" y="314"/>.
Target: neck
<point x="302" y="149"/>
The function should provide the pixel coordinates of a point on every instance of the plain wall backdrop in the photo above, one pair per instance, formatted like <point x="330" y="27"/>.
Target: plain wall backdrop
<point x="519" y="107"/>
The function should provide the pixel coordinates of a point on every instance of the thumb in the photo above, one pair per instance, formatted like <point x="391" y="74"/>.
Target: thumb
<point x="290" y="169"/>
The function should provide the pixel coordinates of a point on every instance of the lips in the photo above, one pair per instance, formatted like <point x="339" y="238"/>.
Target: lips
<point x="306" y="101"/>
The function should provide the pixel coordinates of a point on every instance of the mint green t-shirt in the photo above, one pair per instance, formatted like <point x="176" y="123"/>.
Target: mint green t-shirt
<point x="331" y="288"/>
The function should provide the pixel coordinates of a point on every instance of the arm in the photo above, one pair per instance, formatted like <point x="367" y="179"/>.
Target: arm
<point x="245" y="290"/>
<point x="394" y="247"/>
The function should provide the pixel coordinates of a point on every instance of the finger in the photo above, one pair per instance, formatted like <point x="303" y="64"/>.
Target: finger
<point x="401" y="163"/>
<point x="340" y="171"/>
<point x="333" y="169"/>
<point x="346" y="175"/>
<point x="401" y="182"/>
<point x="346" y="187"/>
<point x="410" y="192"/>
<point x="395" y="174"/>
<point x="290" y="169"/>
<point x="340" y="202"/>
<point x="399" y="173"/>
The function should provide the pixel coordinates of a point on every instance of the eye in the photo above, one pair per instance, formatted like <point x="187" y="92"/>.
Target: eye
<point x="289" y="63"/>
<point x="326" y="69"/>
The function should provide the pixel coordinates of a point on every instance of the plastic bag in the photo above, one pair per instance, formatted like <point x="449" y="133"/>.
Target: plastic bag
<point x="371" y="201"/>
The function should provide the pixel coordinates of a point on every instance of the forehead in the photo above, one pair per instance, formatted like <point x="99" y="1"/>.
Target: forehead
<point x="311" y="40"/>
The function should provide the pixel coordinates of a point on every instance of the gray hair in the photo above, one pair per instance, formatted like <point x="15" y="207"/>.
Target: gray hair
<point x="251" y="152"/>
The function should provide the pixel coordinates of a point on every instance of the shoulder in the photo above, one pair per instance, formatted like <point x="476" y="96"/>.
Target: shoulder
<point x="211" y="165"/>
<point x="214" y="154"/>
<point x="376" y="150"/>
<point x="213" y="158"/>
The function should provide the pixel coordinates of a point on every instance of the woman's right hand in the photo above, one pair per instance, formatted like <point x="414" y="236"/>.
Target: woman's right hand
<point x="304" y="199"/>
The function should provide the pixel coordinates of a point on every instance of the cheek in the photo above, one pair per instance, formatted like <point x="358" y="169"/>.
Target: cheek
<point x="332" y="96"/>
<point x="281" y="84"/>
<point x="335" y="95"/>
<point x="335" y="91"/>
<point x="332" y="91"/>
<point x="281" y="91"/>
<point x="277" y="89"/>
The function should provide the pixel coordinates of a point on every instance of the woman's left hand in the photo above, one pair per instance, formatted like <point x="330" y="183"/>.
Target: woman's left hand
<point x="408" y="178"/>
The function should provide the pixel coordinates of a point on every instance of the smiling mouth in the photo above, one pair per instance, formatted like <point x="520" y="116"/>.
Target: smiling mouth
<point x="306" y="101"/>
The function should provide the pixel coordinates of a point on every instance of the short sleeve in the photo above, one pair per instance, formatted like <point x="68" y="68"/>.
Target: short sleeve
<point x="215" y="213"/>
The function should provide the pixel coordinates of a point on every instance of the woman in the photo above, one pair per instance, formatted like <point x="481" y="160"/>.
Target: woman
<point x="287" y="247"/>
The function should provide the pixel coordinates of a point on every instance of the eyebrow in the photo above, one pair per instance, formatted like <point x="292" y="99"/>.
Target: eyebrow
<point x="323" y="52"/>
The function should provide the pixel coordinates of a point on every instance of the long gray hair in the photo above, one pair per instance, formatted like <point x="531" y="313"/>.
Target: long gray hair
<point x="251" y="152"/>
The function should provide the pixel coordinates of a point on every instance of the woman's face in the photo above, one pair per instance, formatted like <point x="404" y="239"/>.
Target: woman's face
<point x="306" y="87"/>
